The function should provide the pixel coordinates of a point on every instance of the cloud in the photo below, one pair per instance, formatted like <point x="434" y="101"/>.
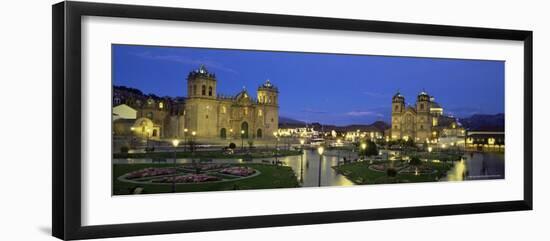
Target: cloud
<point x="314" y="111"/>
<point x="185" y="60"/>
<point x="364" y="113"/>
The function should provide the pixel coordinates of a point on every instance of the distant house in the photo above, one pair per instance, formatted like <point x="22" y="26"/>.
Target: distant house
<point x="124" y="111"/>
<point x="485" y="140"/>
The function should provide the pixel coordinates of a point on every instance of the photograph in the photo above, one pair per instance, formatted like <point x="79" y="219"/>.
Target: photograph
<point x="193" y="119"/>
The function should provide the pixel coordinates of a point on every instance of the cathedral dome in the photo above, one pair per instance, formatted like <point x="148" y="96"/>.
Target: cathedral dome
<point x="243" y="97"/>
<point x="201" y="72"/>
<point x="423" y="96"/>
<point x="398" y="97"/>
<point x="268" y="86"/>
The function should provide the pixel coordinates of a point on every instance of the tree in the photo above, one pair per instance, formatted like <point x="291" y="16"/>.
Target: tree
<point x="391" y="172"/>
<point x="232" y="145"/>
<point x="372" y="149"/>
<point x="415" y="161"/>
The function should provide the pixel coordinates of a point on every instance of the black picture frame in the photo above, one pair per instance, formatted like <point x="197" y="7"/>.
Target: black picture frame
<point x="66" y="169"/>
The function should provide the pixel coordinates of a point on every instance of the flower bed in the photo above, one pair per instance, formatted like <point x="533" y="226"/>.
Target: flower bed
<point x="150" y="172"/>
<point x="205" y="167"/>
<point x="382" y="167"/>
<point x="378" y="167"/>
<point x="238" y="171"/>
<point x="189" y="178"/>
<point x="422" y="169"/>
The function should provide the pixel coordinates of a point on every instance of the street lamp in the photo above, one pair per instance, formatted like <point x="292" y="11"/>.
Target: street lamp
<point x="276" y="146"/>
<point x="364" y="148"/>
<point x="147" y="130"/>
<point x="193" y="134"/>
<point x="302" y="141"/>
<point x="320" y="150"/>
<point x="242" y="139"/>
<point x="175" y="144"/>
<point x="338" y="142"/>
<point x="185" y="138"/>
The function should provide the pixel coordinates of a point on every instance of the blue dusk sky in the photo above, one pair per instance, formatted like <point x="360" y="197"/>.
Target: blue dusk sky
<point x="328" y="88"/>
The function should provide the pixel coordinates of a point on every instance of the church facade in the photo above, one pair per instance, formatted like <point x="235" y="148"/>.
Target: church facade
<point x="212" y="115"/>
<point x="204" y="113"/>
<point x="423" y="122"/>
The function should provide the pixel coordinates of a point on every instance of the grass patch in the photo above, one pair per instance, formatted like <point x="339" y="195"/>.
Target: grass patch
<point x="360" y="173"/>
<point x="271" y="177"/>
<point x="207" y="155"/>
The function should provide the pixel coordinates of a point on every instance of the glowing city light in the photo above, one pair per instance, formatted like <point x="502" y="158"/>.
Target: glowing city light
<point x="320" y="150"/>
<point x="175" y="142"/>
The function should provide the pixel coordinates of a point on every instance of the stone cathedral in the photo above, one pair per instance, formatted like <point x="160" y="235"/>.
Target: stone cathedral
<point x="414" y="122"/>
<point x="212" y="115"/>
<point x="204" y="112"/>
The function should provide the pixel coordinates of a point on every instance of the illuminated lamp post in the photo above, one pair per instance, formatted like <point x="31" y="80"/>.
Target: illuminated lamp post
<point x="242" y="139"/>
<point x="302" y="160"/>
<point x="320" y="150"/>
<point x="175" y="144"/>
<point x="193" y="134"/>
<point x="364" y="150"/>
<point x="185" y="139"/>
<point x="276" y="146"/>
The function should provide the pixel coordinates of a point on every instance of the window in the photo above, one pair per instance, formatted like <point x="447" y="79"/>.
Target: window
<point x="260" y="113"/>
<point x="194" y="89"/>
<point x="223" y="109"/>
<point x="203" y="90"/>
<point x="422" y="106"/>
<point x="161" y="105"/>
<point x="210" y="91"/>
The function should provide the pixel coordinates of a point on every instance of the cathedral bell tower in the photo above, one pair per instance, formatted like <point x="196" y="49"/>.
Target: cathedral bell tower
<point x="268" y="107"/>
<point x="398" y="108"/>
<point x="423" y="119"/>
<point x="201" y="84"/>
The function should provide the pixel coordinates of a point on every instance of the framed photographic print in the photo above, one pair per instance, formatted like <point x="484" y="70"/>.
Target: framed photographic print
<point x="170" y="120"/>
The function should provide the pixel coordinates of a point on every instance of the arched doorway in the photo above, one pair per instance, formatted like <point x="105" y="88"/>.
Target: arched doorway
<point x="244" y="127"/>
<point x="259" y="133"/>
<point x="223" y="133"/>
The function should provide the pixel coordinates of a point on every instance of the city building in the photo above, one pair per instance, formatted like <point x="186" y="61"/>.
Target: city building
<point x="203" y="114"/>
<point x="485" y="140"/>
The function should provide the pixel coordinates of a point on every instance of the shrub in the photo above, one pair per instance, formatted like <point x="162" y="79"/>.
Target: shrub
<point x="415" y="161"/>
<point x="232" y="145"/>
<point x="391" y="172"/>
<point x="250" y="143"/>
<point x="124" y="149"/>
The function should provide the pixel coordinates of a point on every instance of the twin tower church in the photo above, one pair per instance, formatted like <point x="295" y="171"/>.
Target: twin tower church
<point x="204" y="113"/>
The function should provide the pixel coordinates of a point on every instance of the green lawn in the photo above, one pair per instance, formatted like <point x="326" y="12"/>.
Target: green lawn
<point x="359" y="173"/>
<point x="271" y="177"/>
<point x="207" y="154"/>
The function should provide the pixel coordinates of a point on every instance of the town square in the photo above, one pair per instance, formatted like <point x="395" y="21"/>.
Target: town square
<point x="205" y="138"/>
